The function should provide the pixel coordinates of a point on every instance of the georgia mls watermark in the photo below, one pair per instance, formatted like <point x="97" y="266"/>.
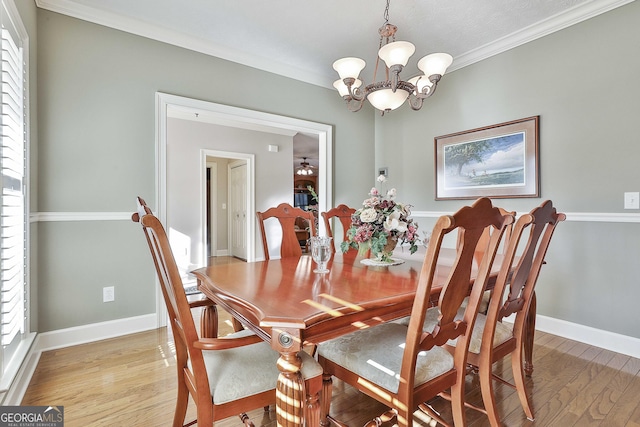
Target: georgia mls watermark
<point x="31" y="416"/>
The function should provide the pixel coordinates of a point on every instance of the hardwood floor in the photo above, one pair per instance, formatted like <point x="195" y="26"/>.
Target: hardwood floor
<point x="131" y="381"/>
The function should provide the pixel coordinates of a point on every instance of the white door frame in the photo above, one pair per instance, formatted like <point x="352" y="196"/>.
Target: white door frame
<point x="240" y="118"/>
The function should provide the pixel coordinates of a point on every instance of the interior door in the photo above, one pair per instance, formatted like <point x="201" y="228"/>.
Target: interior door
<point x="238" y="209"/>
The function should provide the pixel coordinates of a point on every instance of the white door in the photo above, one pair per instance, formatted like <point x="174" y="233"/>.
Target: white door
<point x="238" y="209"/>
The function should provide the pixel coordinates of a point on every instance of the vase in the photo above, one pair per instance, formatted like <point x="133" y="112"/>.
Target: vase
<point x="387" y="251"/>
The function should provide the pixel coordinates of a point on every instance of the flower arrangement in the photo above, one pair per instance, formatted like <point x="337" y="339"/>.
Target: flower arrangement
<point x="380" y="224"/>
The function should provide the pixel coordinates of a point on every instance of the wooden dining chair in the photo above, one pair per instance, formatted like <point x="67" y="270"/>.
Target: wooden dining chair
<point x="223" y="376"/>
<point x="402" y="366"/>
<point x="513" y="296"/>
<point x="492" y="339"/>
<point x="343" y="214"/>
<point x="209" y="311"/>
<point x="286" y="216"/>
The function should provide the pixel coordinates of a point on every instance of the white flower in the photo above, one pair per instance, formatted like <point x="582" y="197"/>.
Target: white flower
<point x="368" y="215"/>
<point x="393" y="223"/>
<point x="382" y="178"/>
<point x="391" y="194"/>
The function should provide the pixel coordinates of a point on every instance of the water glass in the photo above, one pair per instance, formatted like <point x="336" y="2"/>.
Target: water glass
<point x="321" y="252"/>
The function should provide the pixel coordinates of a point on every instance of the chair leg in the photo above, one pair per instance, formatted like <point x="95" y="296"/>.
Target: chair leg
<point x="457" y="402"/>
<point x="325" y="399"/>
<point x="246" y="420"/>
<point x="486" y="388"/>
<point x="182" y="403"/>
<point x="518" y="379"/>
<point x="312" y="407"/>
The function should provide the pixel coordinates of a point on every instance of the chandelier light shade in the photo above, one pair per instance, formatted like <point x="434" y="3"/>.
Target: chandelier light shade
<point x="389" y="94"/>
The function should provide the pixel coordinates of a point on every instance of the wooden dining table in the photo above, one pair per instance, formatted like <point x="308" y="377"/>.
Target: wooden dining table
<point x="288" y="305"/>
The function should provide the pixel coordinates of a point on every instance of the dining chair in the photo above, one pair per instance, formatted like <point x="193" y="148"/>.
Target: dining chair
<point x="209" y="311"/>
<point x="483" y="243"/>
<point x="343" y="214"/>
<point x="224" y="376"/>
<point x="492" y="339"/>
<point x="286" y="216"/>
<point x="402" y="366"/>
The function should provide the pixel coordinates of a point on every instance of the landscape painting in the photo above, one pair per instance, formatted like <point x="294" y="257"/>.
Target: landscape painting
<point x="494" y="161"/>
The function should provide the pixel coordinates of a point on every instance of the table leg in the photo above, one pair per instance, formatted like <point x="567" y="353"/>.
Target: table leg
<point x="290" y="391"/>
<point x="209" y="322"/>
<point x="529" y="331"/>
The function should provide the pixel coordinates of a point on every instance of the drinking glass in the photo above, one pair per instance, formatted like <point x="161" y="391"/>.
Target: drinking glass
<point x="321" y="252"/>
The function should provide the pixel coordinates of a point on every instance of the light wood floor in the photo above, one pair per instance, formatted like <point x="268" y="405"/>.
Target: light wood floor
<point x="131" y="381"/>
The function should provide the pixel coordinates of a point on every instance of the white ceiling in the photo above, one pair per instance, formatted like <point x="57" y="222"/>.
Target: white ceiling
<point x="301" y="39"/>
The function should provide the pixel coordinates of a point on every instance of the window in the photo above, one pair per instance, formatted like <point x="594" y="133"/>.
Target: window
<point x="13" y="199"/>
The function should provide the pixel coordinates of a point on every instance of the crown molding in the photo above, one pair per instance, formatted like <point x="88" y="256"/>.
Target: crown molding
<point x="555" y="23"/>
<point x="176" y="38"/>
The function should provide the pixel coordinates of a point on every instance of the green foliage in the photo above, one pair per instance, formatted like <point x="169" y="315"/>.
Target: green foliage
<point x="460" y="154"/>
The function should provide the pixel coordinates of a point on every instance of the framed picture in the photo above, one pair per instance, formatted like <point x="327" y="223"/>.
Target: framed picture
<point x="499" y="161"/>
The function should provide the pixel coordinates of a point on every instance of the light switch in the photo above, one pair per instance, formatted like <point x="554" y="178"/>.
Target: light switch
<point x="224" y="206"/>
<point x="632" y="200"/>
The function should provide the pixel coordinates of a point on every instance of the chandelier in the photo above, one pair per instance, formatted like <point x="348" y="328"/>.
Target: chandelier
<point x="389" y="94"/>
<point x="305" y="168"/>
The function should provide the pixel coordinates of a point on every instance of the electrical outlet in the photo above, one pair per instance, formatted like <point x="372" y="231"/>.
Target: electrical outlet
<point x="108" y="294"/>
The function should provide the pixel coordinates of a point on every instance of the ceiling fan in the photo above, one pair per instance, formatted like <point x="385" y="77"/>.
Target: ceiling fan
<point x="305" y="168"/>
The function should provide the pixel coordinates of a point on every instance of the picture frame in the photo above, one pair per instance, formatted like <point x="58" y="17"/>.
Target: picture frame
<point x="497" y="161"/>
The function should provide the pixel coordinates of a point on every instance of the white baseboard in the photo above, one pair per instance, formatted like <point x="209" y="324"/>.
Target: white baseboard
<point x="597" y="337"/>
<point x="95" y="332"/>
<point x="222" y="252"/>
<point x="69" y="337"/>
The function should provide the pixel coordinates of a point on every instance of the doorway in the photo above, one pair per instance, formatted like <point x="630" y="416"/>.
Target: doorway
<point x="226" y="205"/>
<point x="190" y="109"/>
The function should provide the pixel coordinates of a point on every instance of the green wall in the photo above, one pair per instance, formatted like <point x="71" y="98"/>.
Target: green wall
<point x="583" y="83"/>
<point x="96" y="124"/>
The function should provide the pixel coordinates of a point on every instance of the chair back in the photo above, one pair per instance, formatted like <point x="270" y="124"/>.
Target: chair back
<point x="513" y="293"/>
<point x="470" y="222"/>
<point x="483" y="242"/>
<point x="343" y="214"/>
<point x="286" y="216"/>
<point x="180" y="316"/>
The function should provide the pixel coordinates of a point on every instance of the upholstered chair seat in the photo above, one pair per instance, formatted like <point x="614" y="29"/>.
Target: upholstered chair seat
<point x="384" y="361"/>
<point x="228" y="370"/>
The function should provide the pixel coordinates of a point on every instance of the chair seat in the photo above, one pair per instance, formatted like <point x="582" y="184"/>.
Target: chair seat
<point x="375" y="354"/>
<point x="502" y="334"/>
<point x="245" y="371"/>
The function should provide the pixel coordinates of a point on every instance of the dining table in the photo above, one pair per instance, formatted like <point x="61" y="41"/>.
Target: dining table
<point x="288" y="305"/>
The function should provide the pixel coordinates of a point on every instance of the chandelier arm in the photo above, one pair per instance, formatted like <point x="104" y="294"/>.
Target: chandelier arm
<point x="427" y="91"/>
<point x="354" y="92"/>
<point x="415" y="102"/>
<point x="354" y="105"/>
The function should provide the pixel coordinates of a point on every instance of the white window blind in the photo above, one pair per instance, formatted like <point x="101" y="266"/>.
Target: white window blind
<point x="12" y="207"/>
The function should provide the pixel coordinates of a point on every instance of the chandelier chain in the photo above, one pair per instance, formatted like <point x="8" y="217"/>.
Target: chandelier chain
<point x="386" y="13"/>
